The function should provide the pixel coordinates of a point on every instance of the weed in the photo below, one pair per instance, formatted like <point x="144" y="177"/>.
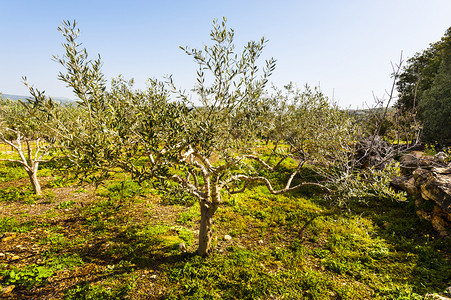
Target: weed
<point x="14" y="194"/>
<point x="10" y="194"/>
<point x="9" y="172"/>
<point x="64" y="261"/>
<point x="308" y="250"/>
<point x="430" y="149"/>
<point x="120" y="190"/>
<point x="49" y="196"/>
<point x="28" y="276"/>
<point x="190" y="216"/>
<point x="235" y="277"/>
<point x="57" y="241"/>
<point x="185" y="234"/>
<point x="110" y="290"/>
<point x="137" y="243"/>
<point x="59" y="181"/>
<point x="10" y="224"/>
<point x="43" y="172"/>
<point x="80" y="190"/>
<point x="66" y="204"/>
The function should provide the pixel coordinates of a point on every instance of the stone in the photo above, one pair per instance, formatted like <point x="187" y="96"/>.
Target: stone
<point x="408" y="163"/>
<point x="420" y="175"/>
<point x="437" y="187"/>
<point x="429" y="185"/>
<point x="182" y="246"/>
<point x="7" y="289"/>
<point x="8" y="236"/>
<point x="406" y="184"/>
<point x="448" y="291"/>
<point x="227" y="237"/>
<point x="441" y="157"/>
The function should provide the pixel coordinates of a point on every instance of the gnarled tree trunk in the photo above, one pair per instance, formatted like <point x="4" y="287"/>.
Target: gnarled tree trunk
<point x="207" y="210"/>
<point x="33" y="174"/>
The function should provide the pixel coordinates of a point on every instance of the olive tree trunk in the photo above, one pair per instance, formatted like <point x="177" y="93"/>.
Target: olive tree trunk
<point x="33" y="175"/>
<point x="207" y="210"/>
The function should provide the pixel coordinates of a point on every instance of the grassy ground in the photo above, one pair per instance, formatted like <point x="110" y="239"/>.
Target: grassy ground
<point x="124" y="241"/>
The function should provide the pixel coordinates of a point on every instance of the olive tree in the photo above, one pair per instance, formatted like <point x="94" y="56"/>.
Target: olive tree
<point x="24" y="131"/>
<point x="206" y="143"/>
<point x="211" y="145"/>
<point x="203" y="145"/>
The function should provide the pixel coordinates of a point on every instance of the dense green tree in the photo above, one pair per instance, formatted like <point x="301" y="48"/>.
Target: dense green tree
<point x="435" y="107"/>
<point x="419" y="73"/>
<point x="422" y="92"/>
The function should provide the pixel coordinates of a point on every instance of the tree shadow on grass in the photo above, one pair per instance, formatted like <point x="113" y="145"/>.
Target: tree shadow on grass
<point x="422" y="255"/>
<point x="118" y="250"/>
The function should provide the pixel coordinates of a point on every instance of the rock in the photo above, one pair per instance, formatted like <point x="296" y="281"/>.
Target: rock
<point x="7" y="289"/>
<point x="448" y="291"/>
<point x="406" y="184"/>
<point x="441" y="157"/>
<point x="227" y="237"/>
<point x="408" y="163"/>
<point x="437" y="187"/>
<point x="8" y="236"/>
<point x="429" y="185"/>
<point x="182" y="246"/>
<point x="420" y="175"/>
<point x="373" y="152"/>
<point x="412" y="161"/>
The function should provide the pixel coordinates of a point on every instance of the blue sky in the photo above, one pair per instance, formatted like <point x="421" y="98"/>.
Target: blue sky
<point x="345" y="46"/>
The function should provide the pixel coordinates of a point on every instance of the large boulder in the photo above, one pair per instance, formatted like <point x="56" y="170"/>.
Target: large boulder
<point x="408" y="163"/>
<point x="412" y="161"/>
<point x="436" y="186"/>
<point x="431" y="186"/>
<point x="405" y="183"/>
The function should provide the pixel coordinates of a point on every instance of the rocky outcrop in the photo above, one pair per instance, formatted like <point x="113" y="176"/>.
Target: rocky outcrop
<point x="430" y="182"/>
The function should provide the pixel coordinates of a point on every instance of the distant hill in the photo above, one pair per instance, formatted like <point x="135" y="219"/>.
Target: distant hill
<point x="17" y="97"/>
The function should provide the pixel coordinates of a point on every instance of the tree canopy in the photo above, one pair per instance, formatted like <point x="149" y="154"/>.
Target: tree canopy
<point x="422" y="88"/>
<point x="435" y="107"/>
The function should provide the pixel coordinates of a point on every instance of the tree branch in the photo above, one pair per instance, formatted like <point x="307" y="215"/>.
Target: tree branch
<point x="268" y="184"/>
<point x="191" y="188"/>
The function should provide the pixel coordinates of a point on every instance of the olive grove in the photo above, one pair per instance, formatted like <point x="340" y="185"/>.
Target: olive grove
<point x="222" y="138"/>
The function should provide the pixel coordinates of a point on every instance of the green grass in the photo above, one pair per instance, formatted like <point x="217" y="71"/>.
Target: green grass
<point x="113" y="288"/>
<point x="11" y="224"/>
<point x="120" y="190"/>
<point x="292" y="246"/>
<point x="34" y="274"/>
<point x="66" y="204"/>
<point x="10" y="171"/>
<point x="189" y="217"/>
